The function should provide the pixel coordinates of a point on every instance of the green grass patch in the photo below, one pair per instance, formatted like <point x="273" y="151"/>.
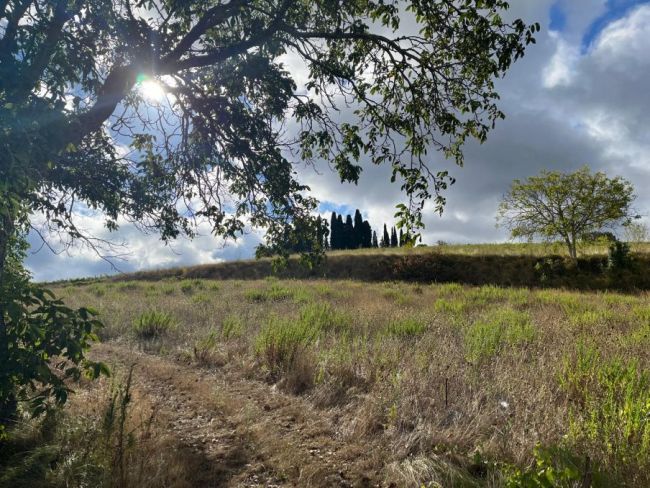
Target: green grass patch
<point x="153" y="324"/>
<point x="405" y="328"/>
<point x="281" y="340"/>
<point x="498" y="328"/>
<point x="610" y="409"/>
<point x="232" y="327"/>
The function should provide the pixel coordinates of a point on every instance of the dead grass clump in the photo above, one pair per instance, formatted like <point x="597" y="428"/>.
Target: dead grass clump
<point x="108" y="436"/>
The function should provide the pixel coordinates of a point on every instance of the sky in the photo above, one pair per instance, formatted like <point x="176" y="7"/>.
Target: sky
<point x="579" y="96"/>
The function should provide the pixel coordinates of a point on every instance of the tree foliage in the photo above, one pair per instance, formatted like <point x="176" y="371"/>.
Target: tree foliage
<point x="78" y="132"/>
<point x="44" y="343"/>
<point x="566" y="206"/>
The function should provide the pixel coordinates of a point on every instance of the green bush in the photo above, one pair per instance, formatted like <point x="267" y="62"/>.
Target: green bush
<point x="619" y="256"/>
<point x="152" y="325"/>
<point x="555" y="467"/>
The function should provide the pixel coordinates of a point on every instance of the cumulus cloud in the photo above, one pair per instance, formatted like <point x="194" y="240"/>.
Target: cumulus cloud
<point x="567" y="104"/>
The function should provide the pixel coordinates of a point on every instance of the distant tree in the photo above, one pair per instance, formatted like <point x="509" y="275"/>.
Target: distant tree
<point x="366" y="234"/>
<point x="393" y="238"/>
<point x="375" y="243"/>
<point x="385" y="240"/>
<point x="567" y="206"/>
<point x="340" y="225"/>
<point x="303" y="236"/>
<point x="401" y="241"/>
<point x="350" y="239"/>
<point x="358" y="238"/>
<point x="637" y="232"/>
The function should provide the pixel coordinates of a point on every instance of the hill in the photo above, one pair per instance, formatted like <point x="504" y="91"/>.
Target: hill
<point x="497" y="264"/>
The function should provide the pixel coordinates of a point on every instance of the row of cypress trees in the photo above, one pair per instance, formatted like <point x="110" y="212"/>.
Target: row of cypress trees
<point x="355" y="233"/>
<point x="393" y="240"/>
<point x="351" y="233"/>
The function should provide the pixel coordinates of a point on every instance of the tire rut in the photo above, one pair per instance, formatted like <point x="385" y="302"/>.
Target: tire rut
<point x="247" y="433"/>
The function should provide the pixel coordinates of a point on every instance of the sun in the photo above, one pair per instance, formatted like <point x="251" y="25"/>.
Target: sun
<point x="150" y="89"/>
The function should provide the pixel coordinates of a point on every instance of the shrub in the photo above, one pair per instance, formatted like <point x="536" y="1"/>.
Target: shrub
<point x="619" y="257"/>
<point x="152" y="324"/>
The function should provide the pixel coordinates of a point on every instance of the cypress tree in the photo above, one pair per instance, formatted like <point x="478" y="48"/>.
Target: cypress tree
<point x="340" y="230"/>
<point x="333" y="232"/>
<point x="374" y="239"/>
<point x="385" y="240"/>
<point x="366" y="234"/>
<point x="401" y="239"/>
<point x="349" y="233"/>
<point x="393" y="238"/>
<point x="357" y="240"/>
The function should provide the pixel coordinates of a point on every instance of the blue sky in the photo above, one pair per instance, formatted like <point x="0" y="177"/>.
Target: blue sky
<point x="578" y="96"/>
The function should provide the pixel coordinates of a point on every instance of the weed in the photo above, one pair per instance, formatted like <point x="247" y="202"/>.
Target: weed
<point x="324" y="317"/>
<point x="206" y="350"/>
<point x="610" y="409"/>
<point x="500" y="327"/>
<point x="190" y="286"/>
<point x="405" y="328"/>
<point x="275" y="293"/>
<point x="281" y="341"/>
<point x="456" y="307"/>
<point x="232" y="327"/>
<point x="152" y="325"/>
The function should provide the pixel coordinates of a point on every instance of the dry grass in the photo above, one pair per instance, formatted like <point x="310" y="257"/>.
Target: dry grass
<point x="459" y="384"/>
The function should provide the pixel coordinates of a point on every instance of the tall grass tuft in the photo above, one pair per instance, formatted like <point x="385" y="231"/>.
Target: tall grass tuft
<point x="152" y="325"/>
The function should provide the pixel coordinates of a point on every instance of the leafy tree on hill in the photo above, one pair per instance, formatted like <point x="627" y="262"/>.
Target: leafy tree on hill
<point x="73" y="83"/>
<point x="567" y="206"/>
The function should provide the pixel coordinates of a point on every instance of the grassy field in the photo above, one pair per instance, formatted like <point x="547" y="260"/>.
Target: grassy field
<point x="445" y="384"/>
<point x="473" y="381"/>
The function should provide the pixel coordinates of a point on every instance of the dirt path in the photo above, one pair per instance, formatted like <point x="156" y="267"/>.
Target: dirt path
<point x="248" y="434"/>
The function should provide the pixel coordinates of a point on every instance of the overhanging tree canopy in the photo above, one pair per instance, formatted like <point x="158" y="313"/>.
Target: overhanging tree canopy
<point x="418" y="74"/>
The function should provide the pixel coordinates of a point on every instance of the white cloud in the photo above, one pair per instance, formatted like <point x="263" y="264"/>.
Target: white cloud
<point x="560" y="69"/>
